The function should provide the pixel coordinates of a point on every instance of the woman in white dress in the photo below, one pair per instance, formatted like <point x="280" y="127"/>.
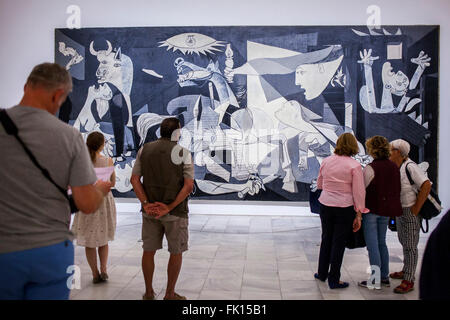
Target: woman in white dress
<point x="93" y="231"/>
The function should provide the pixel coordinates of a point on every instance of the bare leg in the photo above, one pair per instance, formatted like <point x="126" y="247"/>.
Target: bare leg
<point x="91" y="256"/>
<point x="148" y="267"/>
<point x="103" y="255"/>
<point x="173" y="270"/>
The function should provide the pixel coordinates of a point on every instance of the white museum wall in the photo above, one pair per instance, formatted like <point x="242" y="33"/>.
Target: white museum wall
<point x="27" y="32"/>
<point x="266" y="208"/>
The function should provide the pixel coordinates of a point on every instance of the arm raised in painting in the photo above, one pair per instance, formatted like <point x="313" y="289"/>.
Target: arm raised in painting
<point x="422" y="62"/>
<point x="367" y="60"/>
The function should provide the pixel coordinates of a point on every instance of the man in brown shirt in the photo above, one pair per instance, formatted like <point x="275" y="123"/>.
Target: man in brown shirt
<point x="168" y="179"/>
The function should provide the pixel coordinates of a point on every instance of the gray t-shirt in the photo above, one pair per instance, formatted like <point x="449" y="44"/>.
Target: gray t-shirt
<point x="33" y="212"/>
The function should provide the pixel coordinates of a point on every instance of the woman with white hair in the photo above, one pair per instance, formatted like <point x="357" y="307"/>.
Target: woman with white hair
<point x="408" y="224"/>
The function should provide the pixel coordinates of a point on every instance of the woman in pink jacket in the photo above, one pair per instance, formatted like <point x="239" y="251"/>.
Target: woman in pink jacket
<point x="342" y="201"/>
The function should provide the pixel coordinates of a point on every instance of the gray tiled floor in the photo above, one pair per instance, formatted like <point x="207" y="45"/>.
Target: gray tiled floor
<point x="239" y="257"/>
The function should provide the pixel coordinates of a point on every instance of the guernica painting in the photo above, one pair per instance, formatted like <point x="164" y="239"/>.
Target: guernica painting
<point x="260" y="106"/>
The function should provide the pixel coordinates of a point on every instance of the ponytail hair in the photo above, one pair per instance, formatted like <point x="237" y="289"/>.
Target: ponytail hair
<point x="94" y="141"/>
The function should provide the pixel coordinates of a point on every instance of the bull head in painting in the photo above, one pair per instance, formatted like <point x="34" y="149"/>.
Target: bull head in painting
<point x="114" y="67"/>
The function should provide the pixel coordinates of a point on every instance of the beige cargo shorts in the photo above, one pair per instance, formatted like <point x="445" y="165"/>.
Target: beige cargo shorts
<point x="175" y="228"/>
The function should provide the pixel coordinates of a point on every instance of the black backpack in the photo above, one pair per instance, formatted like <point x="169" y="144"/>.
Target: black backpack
<point x="432" y="205"/>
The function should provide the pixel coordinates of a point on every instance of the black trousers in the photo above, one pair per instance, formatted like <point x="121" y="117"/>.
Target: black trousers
<point x="337" y="225"/>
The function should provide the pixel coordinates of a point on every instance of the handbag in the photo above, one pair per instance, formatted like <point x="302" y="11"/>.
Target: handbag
<point x="12" y="129"/>
<point x="356" y="239"/>
<point x="432" y="205"/>
<point x="314" y="203"/>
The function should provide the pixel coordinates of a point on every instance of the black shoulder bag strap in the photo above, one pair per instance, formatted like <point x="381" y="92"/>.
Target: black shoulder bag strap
<point x="411" y="181"/>
<point x="12" y="129"/>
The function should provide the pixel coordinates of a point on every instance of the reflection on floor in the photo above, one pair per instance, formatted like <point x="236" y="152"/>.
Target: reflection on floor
<point x="239" y="257"/>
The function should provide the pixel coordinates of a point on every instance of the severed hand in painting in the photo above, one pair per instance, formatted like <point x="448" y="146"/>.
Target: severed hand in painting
<point x="253" y="185"/>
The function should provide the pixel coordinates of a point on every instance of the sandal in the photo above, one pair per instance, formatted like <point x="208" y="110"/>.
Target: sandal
<point x="104" y="276"/>
<point x="405" y="287"/>
<point x="151" y="297"/>
<point x="176" y="296"/>
<point x="397" y="275"/>
<point x="97" y="279"/>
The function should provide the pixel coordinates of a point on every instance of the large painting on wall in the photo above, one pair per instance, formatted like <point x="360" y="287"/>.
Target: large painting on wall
<point x="260" y="106"/>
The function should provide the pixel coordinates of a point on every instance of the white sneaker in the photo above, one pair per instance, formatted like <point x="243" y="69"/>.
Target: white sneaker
<point x="370" y="286"/>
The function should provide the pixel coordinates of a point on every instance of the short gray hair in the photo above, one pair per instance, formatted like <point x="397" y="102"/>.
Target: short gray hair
<point x="50" y="76"/>
<point x="402" y="146"/>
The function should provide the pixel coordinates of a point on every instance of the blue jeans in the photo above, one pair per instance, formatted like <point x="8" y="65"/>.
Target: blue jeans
<point x="36" y="274"/>
<point x="375" y="228"/>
